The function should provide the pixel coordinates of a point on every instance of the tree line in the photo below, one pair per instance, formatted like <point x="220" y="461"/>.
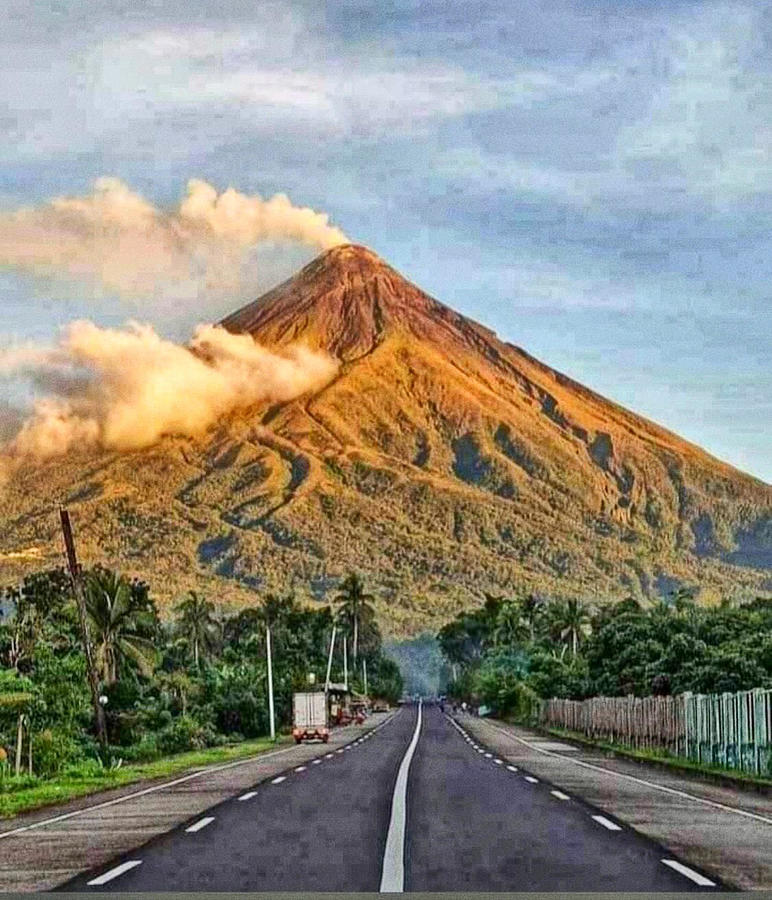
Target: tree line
<point x="194" y="681"/>
<point x="510" y="652"/>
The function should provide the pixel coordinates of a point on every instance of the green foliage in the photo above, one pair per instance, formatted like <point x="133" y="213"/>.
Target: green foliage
<point x="565" y="649"/>
<point x="184" y="686"/>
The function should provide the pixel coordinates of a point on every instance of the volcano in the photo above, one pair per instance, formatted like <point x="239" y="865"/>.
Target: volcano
<point x="441" y="462"/>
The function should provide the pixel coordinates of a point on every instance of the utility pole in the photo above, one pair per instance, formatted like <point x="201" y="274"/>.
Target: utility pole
<point x="364" y="673"/>
<point x="76" y="574"/>
<point x="270" y="681"/>
<point x="329" y="660"/>
<point x="345" y="664"/>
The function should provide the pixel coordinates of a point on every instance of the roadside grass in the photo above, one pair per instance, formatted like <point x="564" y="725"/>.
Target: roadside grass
<point x="668" y="760"/>
<point x="26" y="794"/>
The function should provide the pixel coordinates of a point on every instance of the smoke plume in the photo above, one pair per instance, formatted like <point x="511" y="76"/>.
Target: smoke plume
<point x="116" y="242"/>
<point x="127" y="388"/>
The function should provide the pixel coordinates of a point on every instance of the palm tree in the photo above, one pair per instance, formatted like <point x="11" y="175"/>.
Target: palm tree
<point x="355" y="605"/>
<point x="198" y="623"/>
<point x="573" y="620"/>
<point x="511" y="626"/>
<point x="117" y="625"/>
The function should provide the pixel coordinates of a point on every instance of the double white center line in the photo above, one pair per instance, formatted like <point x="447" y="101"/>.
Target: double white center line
<point x="393" y="872"/>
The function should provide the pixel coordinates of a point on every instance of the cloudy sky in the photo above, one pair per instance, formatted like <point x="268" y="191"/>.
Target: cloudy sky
<point x="593" y="180"/>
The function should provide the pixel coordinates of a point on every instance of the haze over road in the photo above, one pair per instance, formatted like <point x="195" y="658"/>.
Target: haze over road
<point x="471" y="822"/>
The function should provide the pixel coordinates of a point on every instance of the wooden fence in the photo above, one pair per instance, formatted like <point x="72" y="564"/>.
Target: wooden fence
<point x="732" y="730"/>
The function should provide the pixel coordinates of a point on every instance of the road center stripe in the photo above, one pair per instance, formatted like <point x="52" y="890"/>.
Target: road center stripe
<point x="118" y="870"/>
<point x="393" y="872"/>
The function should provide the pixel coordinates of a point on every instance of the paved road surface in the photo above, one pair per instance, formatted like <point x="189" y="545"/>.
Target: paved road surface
<point x="471" y="824"/>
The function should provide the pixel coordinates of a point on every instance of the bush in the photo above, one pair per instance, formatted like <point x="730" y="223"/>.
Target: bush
<point x="53" y="751"/>
<point x="185" y="733"/>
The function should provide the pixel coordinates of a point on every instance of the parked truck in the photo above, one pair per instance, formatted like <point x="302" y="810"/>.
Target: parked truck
<point x="309" y="719"/>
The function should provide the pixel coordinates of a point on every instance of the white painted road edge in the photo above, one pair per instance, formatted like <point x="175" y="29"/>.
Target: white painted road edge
<point x="393" y="871"/>
<point x="651" y="784"/>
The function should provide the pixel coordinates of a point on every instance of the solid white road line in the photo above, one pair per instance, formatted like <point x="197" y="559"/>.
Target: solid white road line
<point x="300" y="769"/>
<point x="202" y="823"/>
<point x="701" y="880"/>
<point x="393" y="871"/>
<point x="531" y="779"/>
<point x="248" y="796"/>
<point x="118" y="870"/>
<point x="651" y="784"/>
<point x="279" y="779"/>
<point x="607" y="823"/>
<point x="560" y="795"/>
<point x="512" y="768"/>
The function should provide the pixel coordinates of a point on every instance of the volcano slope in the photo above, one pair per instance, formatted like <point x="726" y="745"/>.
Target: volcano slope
<point x="440" y="462"/>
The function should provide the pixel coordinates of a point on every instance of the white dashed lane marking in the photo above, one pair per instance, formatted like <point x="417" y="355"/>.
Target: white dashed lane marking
<point x="248" y="796"/>
<point x="607" y="823"/>
<point x="300" y="769"/>
<point x="279" y="779"/>
<point x="114" y="873"/>
<point x="701" y="880"/>
<point x="560" y="795"/>
<point x="512" y="768"/>
<point x="530" y="779"/>
<point x="202" y="823"/>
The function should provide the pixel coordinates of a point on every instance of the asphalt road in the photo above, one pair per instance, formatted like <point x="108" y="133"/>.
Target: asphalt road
<point x="468" y="823"/>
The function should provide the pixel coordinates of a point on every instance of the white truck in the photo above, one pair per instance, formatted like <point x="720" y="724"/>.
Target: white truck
<point x="309" y="717"/>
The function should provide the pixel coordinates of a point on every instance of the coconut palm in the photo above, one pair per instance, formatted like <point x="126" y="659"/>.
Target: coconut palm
<point x="354" y="606"/>
<point x="119" y="623"/>
<point x="573" y="621"/>
<point x="198" y="623"/>
<point x="511" y="626"/>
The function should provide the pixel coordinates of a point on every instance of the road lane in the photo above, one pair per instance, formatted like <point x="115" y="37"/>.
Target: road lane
<point x="477" y="826"/>
<point x="320" y="829"/>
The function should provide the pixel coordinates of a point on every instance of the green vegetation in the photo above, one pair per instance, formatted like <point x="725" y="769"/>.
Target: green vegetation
<point x="512" y="651"/>
<point x="194" y="685"/>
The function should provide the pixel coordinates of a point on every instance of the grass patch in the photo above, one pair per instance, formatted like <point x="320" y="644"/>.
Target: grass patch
<point x="665" y="758"/>
<point x="22" y="796"/>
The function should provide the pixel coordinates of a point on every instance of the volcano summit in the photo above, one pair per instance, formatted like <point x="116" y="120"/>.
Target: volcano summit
<point x="440" y="461"/>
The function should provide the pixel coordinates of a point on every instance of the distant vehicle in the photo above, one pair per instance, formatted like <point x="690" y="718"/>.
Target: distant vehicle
<point x="309" y="717"/>
<point x="380" y="706"/>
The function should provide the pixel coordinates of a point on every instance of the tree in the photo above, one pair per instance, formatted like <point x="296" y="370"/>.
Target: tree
<point x="572" y="620"/>
<point x="354" y="605"/>
<point x="511" y="626"/>
<point x="121" y="623"/>
<point x="198" y="623"/>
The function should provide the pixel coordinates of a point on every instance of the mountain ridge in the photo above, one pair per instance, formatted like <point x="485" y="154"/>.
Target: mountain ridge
<point x="441" y="461"/>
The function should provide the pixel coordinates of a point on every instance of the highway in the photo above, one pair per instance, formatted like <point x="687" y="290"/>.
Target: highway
<point x="415" y="805"/>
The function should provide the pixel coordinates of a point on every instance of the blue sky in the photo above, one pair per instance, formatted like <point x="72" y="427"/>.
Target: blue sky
<point x="593" y="180"/>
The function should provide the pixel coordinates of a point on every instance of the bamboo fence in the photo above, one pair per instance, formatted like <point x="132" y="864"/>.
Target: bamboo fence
<point x="731" y="730"/>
